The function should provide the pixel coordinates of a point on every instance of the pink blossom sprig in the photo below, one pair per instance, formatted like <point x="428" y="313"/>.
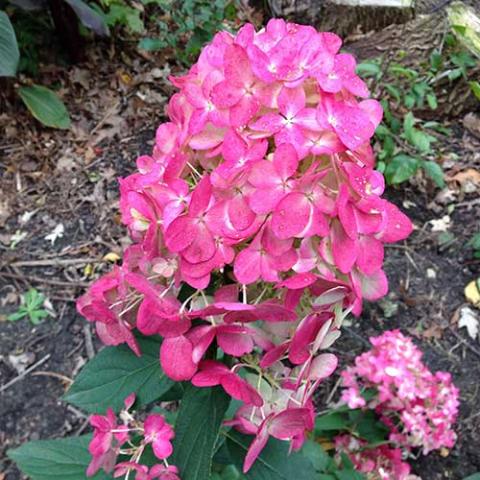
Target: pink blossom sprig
<point x="261" y="195"/>
<point x="112" y="438"/>
<point x="376" y="463"/>
<point x="419" y="407"/>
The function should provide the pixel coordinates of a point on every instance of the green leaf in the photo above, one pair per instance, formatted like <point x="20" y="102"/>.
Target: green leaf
<point x="63" y="459"/>
<point x="408" y="123"/>
<point x="89" y="17"/>
<point x="13" y="317"/>
<point x="401" y="168"/>
<point x="393" y="91"/>
<point x="331" y="421"/>
<point x="368" y="69"/>
<point x="9" y="54"/>
<point x="435" y="172"/>
<point x="196" y="431"/>
<point x="475" y="476"/>
<point x="432" y="101"/>
<point x="475" y="88"/>
<point x="115" y="373"/>
<point x="45" y="106"/>
<point x="152" y="44"/>
<point x="274" y="463"/>
<point x="317" y="455"/>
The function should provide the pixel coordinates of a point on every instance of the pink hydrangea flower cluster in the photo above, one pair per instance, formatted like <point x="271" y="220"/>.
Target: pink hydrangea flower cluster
<point x="261" y="196"/>
<point x="111" y="438"/>
<point x="419" y="407"/>
<point x="377" y="463"/>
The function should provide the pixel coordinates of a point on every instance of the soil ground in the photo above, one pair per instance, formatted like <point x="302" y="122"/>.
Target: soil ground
<point x="70" y="178"/>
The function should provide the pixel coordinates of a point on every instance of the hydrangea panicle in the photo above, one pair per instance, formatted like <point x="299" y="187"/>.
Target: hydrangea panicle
<point x="260" y="185"/>
<point x="419" y="407"/>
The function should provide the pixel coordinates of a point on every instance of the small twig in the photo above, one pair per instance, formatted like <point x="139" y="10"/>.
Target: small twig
<point x="84" y="425"/>
<point x="334" y="389"/>
<point x="64" y="378"/>
<point x="76" y="411"/>
<point x="44" y="280"/>
<point x="468" y="203"/>
<point x="88" y="341"/>
<point x="54" y="261"/>
<point x="108" y="113"/>
<point x="24" y="374"/>
<point x="461" y="339"/>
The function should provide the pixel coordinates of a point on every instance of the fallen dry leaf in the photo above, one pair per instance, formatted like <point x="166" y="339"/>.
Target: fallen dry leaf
<point x="469" y="320"/>
<point x="472" y="292"/>
<point x="440" y="224"/>
<point x="468" y="179"/>
<point x="472" y="123"/>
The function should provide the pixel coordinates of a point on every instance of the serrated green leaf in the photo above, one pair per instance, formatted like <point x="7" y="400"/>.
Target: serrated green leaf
<point x="401" y="168"/>
<point x="9" y="54"/>
<point x="368" y="69"/>
<point x="152" y="44"/>
<point x="115" y="373"/>
<point x="196" y="431"/>
<point x="331" y="421"/>
<point x="13" y="317"/>
<point x="317" y="455"/>
<point x="63" y="459"/>
<point x="475" y="88"/>
<point x="432" y="101"/>
<point x="45" y="106"/>
<point x="274" y="462"/>
<point x="435" y="172"/>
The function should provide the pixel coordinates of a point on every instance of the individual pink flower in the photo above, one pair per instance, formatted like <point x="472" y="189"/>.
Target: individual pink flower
<point x="107" y="439"/>
<point x="158" y="433"/>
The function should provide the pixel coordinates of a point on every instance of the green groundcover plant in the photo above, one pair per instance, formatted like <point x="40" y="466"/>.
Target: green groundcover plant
<point x="258" y="224"/>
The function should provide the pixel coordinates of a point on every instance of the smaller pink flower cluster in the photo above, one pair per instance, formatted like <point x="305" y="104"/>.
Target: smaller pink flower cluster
<point x="111" y="438"/>
<point x="418" y="406"/>
<point x="378" y="463"/>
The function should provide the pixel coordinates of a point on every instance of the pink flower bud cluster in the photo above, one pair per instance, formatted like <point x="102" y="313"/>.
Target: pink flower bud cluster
<point x="261" y="195"/>
<point x="112" y="438"/>
<point x="377" y="463"/>
<point x="419" y="407"/>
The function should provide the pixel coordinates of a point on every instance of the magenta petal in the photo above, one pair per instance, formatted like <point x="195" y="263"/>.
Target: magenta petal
<point x="300" y="280"/>
<point x="344" y="249"/>
<point x="247" y="266"/>
<point x="289" y="423"/>
<point x="200" y="197"/>
<point x="226" y="94"/>
<point x="240" y="214"/>
<point x="176" y="358"/>
<point x="180" y="234"/>
<point x="210" y="374"/>
<point x="373" y="286"/>
<point x="162" y="448"/>
<point x="285" y="160"/>
<point x="269" y="123"/>
<point x="323" y="366"/>
<point x="352" y="125"/>
<point x="273" y="355"/>
<point x="292" y="215"/>
<point x="240" y="389"/>
<point x="202" y="248"/>
<point x="256" y="448"/>
<point x="201" y="346"/>
<point x="398" y="225"/>
<point x="236" y="344"/>
<point x="370" y="255"/>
